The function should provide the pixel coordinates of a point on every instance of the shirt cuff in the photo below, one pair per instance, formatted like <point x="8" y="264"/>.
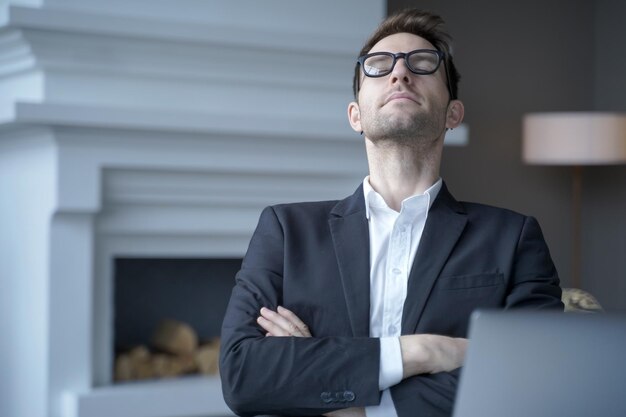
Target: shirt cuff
<point x="386" y="408"/>
<point x="390" y="372"/>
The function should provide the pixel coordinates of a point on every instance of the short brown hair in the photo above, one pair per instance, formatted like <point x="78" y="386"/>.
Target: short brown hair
<point x="423" y="24"/>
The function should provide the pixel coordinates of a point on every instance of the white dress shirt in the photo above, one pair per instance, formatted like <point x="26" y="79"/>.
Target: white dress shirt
<point x="394" y="238"/>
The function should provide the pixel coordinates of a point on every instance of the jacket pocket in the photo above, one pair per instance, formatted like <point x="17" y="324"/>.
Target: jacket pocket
<point x="459" y="282"/>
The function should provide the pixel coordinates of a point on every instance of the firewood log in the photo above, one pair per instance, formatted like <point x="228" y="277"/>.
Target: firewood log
<point x="207" y="357"/>
<point x="135" y="364"/>
<point x="175" y="337"/>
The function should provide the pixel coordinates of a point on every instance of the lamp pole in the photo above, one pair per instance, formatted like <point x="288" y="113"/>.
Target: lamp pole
<point x="577" y="179"/>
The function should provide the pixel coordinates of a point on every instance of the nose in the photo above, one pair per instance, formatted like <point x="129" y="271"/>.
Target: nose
<point x="400" y="72"/>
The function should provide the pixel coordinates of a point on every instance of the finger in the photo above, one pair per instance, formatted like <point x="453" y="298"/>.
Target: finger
<point x="290" y="322"/>
<point x="279" y="324"/>
<point x="271" y="328"/>
<point x="287" y="328"/>
<point x="291" y="317"/>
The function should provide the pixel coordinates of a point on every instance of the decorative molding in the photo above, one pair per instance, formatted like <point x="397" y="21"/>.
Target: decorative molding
<point x="243" y="189"/>
<point x="238" y="33"/>
<point x="191" y="396"/>
<point x="306" y="127"/>
<point x="86" y="59"/>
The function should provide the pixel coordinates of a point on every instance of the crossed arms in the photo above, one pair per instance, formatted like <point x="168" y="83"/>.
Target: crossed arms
<point x="421" y="353"/>
<point x="283" y="370"/>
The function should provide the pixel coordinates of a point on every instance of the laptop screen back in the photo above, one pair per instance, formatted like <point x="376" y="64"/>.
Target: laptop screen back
<point x="544" y="364"/>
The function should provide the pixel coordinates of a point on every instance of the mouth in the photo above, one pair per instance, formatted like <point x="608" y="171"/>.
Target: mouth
<point x="401" y="96"/>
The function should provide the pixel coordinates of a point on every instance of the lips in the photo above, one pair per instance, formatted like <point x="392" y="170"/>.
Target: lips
<point x="401" y="95"/>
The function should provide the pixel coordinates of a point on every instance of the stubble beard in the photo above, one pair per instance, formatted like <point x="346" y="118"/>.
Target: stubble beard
<point x="420" y="132"/>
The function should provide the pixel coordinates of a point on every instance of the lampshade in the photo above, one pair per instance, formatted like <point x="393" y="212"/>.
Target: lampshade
<point x="575" y="138"/>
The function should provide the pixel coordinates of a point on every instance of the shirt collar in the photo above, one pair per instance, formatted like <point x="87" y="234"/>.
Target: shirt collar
<point x="373" y="199"/>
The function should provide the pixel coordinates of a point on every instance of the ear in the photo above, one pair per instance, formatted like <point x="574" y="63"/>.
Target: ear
<point x="354" y="116"/>
<point x="456" y="111"/>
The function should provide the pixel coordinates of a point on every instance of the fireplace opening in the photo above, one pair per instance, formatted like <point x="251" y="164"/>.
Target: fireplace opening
<point x="168" y="314"/>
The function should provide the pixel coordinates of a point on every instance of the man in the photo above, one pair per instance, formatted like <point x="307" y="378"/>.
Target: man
<point x="361" y="306"/>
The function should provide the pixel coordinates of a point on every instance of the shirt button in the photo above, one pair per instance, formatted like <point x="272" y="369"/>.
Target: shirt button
<point x="392" y="330"/>
<point x="396" y="271"/>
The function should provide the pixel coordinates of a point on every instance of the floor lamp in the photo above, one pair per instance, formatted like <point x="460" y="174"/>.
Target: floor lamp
<point x="575" y="139"/>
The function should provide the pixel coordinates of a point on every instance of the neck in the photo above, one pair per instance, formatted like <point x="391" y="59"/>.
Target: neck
<point x="398" y="172"/>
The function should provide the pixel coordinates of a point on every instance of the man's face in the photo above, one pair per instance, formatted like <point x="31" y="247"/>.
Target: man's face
<point x="402" y="106"/>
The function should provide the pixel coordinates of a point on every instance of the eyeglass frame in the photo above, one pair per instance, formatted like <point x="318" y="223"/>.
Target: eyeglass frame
<point x="440" y="55"/>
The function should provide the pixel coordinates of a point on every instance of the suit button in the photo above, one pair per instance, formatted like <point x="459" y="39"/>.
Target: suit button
<point x="348" y="396"/>
<point x="326" y="397"/>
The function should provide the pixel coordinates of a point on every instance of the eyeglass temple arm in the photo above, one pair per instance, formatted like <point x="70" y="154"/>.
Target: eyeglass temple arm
<point x="452" y="96"/>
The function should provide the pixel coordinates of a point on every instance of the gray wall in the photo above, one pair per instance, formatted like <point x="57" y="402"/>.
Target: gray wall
<point x="520" y="57"/>
<point x="604" y="208"/>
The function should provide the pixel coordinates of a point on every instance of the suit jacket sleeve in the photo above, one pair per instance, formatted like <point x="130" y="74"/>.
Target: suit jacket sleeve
<point x="532" y="283"/>
<point x="286" y="375"/>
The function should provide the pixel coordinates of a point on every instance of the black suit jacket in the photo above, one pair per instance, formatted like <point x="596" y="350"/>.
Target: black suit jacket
<point x="313" y="258"/>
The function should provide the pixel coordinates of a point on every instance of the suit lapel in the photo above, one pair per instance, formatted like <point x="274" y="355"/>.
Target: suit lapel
<point x="444" y="225"/>
<point x="350" y="233"/>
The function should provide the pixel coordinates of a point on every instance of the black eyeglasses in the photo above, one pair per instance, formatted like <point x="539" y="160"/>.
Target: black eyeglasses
<point x="419" y="61"/>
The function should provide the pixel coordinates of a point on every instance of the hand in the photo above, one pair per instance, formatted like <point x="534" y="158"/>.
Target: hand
<point x="282" y="322"/>
<point x="430" y="353"/>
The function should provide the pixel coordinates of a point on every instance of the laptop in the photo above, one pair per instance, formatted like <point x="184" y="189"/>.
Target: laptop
<point x="543" y="364"/>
